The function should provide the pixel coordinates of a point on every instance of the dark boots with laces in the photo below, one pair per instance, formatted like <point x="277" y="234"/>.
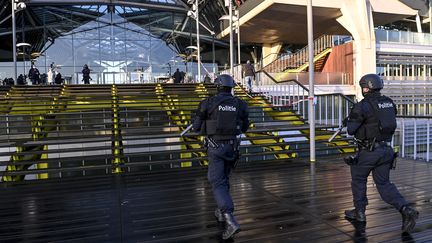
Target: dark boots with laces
<point x="231" y="226"/>
<point x="356" y="214"/>
<point x="409" y="217"/>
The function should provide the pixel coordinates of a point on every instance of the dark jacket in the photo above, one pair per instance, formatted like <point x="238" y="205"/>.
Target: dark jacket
<point x="362" y="121"/>
<point x="248" y="70"/>
<point x="178" y="77"/>
<point x="86" y="72"/>
<point x="204" y="107"/>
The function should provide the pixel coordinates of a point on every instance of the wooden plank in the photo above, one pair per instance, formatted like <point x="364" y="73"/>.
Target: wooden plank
<point x="277" y="202"/>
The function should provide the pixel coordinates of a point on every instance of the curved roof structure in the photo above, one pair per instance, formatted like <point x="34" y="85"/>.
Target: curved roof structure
<point x="42" y="21"/>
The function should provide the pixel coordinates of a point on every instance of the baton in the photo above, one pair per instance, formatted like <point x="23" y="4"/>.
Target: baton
<point x="186" y="130"/>
<point x="336" y="133"/>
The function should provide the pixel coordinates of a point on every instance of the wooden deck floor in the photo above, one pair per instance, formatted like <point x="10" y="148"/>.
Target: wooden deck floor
<point x="284" y="202"/>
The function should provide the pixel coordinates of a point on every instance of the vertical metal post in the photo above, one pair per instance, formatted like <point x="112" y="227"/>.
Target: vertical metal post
<point x="427" y="139"/>
<point x="415" y="139"/>
<point x="128" y="76"/>
<point x="214" y="55"/>
<point x="231" y="38"/>
<point x="238" y="36"/>
<point x="311" y="81"/>
<point x="73" y="56"/>
<point x="430" y="16"/>
<point x="198" y="42"/>
<point x="14" y="42"/>
<point x="44" y="37"/>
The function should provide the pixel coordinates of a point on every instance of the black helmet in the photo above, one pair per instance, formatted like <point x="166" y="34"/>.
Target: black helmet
<point x="371" y="81"/>
<point x="225" y="80"/>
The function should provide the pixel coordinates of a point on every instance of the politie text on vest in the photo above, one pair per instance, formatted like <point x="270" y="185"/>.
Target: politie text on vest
<point x="227" y="108"/>
<point x="385" y="105"/>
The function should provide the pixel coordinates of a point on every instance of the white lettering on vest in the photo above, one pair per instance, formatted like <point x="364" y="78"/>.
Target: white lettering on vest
<point x="227" y="108"/>
<point x="385" y="105"/>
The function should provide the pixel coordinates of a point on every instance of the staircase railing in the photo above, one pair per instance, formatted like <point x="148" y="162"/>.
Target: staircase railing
<point x="80" y="138"/>
<point x="330" y="108"/>
<point x="299" y="58"/>
<point x="412" y="137"/>
<point x="295" y="60"/>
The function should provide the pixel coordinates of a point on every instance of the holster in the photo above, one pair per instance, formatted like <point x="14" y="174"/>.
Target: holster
<point x="210" y="143"/>
<point x="394" y="162"/>
<point x="236" y="147"/>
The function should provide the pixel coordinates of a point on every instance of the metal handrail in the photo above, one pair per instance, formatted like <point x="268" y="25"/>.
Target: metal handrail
<point x="301" y="56"/>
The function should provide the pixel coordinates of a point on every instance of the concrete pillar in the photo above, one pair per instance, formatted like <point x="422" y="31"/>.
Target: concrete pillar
<point x="270" y="52"/>
<point x="418" y="23"/>
<point x="357" y="19"/>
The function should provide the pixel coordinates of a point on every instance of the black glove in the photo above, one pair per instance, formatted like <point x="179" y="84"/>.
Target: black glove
<point x="344" y="122"/>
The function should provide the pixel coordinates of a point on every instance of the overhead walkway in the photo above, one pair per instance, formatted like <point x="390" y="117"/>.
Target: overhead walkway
<point x="82" y="130"/>
<point x="277" y="202"/>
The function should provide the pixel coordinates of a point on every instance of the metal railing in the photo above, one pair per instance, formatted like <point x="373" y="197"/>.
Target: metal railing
<point x="321" y="78"/>
<point x="412" y="137"/>
<point x="92" y="130"/>
<point x="412" y="97"/>
<point x="299" y="58"/>
<point x="330" y="108"/>
<point x="403" y="37"/>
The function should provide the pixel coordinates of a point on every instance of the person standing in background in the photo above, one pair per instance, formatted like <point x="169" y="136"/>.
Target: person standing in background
<point x="249" y="74"/>
<point x="86" y="74"/>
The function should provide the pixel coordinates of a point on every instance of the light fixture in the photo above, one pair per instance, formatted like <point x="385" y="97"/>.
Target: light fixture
<point x="20" y="6"/>
<point x="192" y="47"/>
<point x="23" y="44"/>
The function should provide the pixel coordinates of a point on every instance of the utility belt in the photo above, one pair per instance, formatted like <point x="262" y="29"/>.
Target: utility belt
<point x="210" y="142"/>
<point x="371" y="145"/>
<point x="214" y="143"/>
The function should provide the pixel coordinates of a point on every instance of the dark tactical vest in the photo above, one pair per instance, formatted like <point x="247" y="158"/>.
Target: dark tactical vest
<point x="382" y="124"/>
<point x="223" y="116"/>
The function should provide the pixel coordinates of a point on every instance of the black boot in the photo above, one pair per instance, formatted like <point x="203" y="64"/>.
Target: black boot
<point x="231" y="226"/>
<point x="409" y="217"/>
<point x="218" y="215"/>
<point x="356" y="214"/>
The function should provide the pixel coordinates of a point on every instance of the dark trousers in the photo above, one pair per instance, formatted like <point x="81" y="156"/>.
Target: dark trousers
<point x="220" y="164"/>
<point x="86" y="80"/>
<point x="378" y="162"/>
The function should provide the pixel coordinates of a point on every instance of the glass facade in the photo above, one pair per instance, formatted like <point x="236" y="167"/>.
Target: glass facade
<point x="116" y="51"/>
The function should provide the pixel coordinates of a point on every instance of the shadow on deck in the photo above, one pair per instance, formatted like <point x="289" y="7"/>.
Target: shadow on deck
<point x="284" y="202"/>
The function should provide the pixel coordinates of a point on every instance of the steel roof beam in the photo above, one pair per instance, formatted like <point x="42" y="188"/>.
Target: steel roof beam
<point x="147" y="5"/>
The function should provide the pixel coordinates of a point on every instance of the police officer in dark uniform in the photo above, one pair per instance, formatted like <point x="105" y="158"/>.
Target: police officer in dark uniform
<point x="373" y="121"/>
<point x="222" y="118"/>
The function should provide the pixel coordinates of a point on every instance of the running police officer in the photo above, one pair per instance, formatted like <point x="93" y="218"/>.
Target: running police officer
<point x="222" y="118"/>
<point x="373" y="121"/>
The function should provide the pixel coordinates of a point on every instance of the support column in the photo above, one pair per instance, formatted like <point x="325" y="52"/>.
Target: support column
<point x="357" y="19"/>
<point x="430" y="16"/>
<point x="418" y="23"/>
<point x="270" y="52"/>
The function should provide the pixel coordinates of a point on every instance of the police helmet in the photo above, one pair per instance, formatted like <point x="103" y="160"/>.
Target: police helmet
<point x="225" y="80"/>
<point x="371" y="81"/>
